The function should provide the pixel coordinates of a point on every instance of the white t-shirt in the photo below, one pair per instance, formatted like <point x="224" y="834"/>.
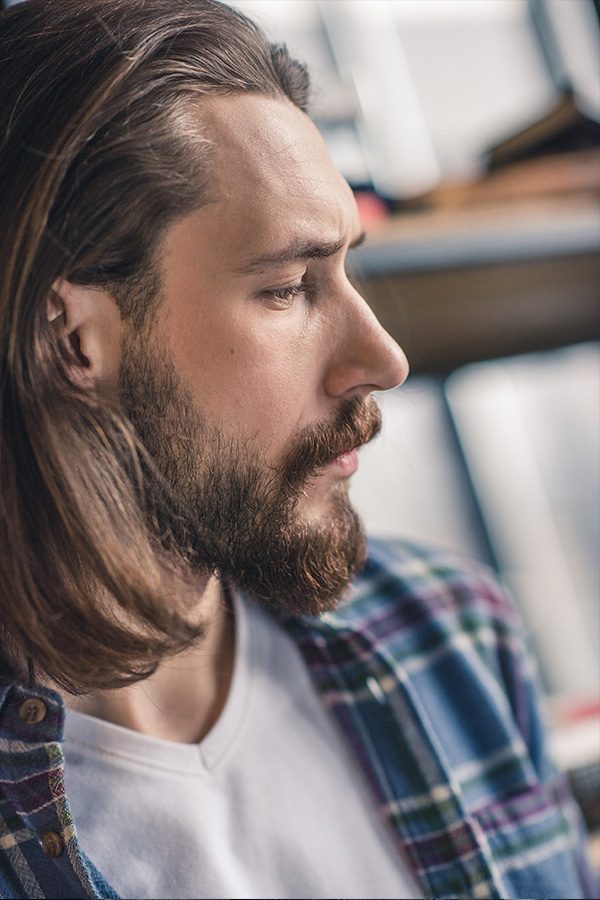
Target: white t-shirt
<point x="269" y="804"/>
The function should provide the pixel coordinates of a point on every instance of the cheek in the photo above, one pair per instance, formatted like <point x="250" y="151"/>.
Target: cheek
<point x="256" y="373"/>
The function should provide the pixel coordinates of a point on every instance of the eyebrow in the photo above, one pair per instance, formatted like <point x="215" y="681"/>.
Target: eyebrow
<point x="297" y="250"/>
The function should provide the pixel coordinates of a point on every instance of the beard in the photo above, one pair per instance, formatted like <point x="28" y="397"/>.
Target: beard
<point x="216" y="506"/>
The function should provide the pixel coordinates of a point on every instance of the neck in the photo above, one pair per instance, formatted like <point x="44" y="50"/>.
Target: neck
<point x="183" y="699"/>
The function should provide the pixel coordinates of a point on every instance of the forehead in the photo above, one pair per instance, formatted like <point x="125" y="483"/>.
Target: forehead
<point x="274" y="177"/>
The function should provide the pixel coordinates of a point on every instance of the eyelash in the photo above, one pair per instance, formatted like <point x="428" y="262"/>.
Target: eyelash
<point x="287" y="295"/>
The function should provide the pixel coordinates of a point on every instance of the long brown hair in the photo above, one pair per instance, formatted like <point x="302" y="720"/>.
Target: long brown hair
<point x="98" y="154"/>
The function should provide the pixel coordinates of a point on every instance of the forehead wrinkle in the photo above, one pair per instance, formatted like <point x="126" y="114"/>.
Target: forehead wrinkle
<point x="310" y="214"/>
<point x="315" y="227"/>
<point x="274" y="176"/>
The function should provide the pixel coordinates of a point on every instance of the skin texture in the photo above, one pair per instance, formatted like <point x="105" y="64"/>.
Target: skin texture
<point x="286" y="365"/>
<point x="260" y="353"/>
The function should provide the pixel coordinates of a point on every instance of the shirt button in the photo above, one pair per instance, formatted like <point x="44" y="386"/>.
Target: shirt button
<point x="33" y="711"/>
<point x="52" y="844"/>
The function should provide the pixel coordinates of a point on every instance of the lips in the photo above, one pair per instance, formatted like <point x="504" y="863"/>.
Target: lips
<point x="346" y="463"/>
<point x="331" y="447"/>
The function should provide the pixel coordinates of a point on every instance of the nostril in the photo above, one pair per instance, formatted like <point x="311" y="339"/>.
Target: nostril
<point x="394" y="366"/>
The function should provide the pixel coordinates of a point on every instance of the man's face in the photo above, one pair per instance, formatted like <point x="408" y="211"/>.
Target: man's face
<point x="252" y="386"/>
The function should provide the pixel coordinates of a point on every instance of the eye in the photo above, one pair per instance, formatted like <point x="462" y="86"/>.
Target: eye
<point x="283" y="297"/>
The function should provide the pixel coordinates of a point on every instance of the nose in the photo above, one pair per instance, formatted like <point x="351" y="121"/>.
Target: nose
<point x="365" y="357"/>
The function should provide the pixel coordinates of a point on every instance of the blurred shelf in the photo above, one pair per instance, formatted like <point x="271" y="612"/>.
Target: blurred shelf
<point x="458" y="285"/>
<point x="456" y="238"/>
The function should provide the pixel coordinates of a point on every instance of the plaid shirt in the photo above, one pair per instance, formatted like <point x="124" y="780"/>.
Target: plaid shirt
<point x="426" y="672"/>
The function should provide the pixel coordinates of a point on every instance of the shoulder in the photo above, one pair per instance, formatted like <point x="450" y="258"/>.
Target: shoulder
<point x="426" y="611"/>
<point x="441" y="620"/>
<point x="414" y="586"/>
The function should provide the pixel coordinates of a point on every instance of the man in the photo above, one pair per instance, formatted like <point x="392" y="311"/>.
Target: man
<point x="252" y="709"/>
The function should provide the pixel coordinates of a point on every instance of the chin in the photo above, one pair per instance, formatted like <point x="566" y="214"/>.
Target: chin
<point x="312" y="570"/>
<point x="321" y="502"/>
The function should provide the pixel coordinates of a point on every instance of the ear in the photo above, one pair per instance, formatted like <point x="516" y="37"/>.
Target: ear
<point x="87" y="320"/>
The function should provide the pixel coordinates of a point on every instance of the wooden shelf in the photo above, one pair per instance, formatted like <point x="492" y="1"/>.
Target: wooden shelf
<point x="457" y="285"/>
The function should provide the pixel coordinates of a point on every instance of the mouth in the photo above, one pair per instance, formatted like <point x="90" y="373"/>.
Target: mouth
<point x="345" y="464"/>
<point x="329" y="450"/>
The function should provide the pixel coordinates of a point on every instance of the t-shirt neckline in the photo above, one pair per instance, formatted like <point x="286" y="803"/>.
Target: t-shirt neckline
<point x="108" y="738"/>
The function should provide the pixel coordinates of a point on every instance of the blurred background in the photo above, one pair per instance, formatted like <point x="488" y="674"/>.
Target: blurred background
<point x="470" y="132"/>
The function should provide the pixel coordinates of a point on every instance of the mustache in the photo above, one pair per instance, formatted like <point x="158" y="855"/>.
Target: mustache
<point x="357" y="422"/>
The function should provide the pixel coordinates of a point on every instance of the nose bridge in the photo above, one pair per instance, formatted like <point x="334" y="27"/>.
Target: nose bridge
<point x="367" y="356"/>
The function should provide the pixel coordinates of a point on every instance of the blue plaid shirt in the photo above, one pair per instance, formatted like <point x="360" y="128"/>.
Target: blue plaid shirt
<point x="426" y="672"/>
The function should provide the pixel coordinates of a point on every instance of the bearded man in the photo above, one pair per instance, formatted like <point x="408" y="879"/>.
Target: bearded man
<point x="256" y="706"/>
